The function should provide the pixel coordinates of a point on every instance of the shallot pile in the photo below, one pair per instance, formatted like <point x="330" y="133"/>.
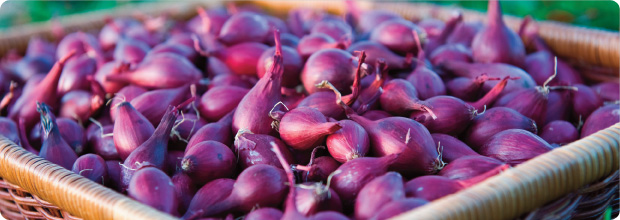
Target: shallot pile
<point x="237" y="113"/>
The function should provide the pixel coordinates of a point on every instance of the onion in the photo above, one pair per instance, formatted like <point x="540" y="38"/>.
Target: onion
<point x="289" y="40"/>
<point x="153" y="151"/>
<point x="127" y="93"/>
<point x="608" y="91"/>
<point x="471" y="70"/>
<point x="208" y="195"/>
<point x="54" y="147"/>
<point x="450" y="115"/>
<point x="114" y="174"/>
<point x="310" y="44"/>
<point x="255" y="106"/>
<point x="464" y="33"/>
<point x="166" y="70"/>
<point x="432" y="26"/>
<point x="514" y="146"/>
<point x="467" y="89"/>
<point x="398" y="207"/>
<point x="220" y="100"/>
<point x="231" y="80"/>
<point x="468" y="167"/>
<point x="304" y="128"/>
<point x="442" y="33"/>
<point x="293" y="65"/>
<point x="243" y="58"/>
<point x="348" y="143"/>
<point x="315" y="197"/>
<point x="93" y="167"/>
<point x="261" y="185"/>
<point x="219" y="131"/>
<point x="601" y="118"/>
<point x="154" y="188"/>
<point x="370" y="19"/>
<point x="318" y="169"/>
<point x="493" y="121"/>
<point x="173" y="161"/>
<point x="253" y="149"/>
<point x="378" y="192"/>
<point x="376" y="115"/>
<point x="207" y="161"/>
<point x="210" y="21"/>
<point x="255" y="28"/>
<point x="131" y="129"/>
<point x="426" y="81"/>
<point x="264" y="214"/>
<point x="45" y="92"/>
<point x="353" y="175"/>
<point x="152" y="104"/>
<point x="452" y="148"/>
<point x="585" y="101"/>
<point x="130" y="51"/>
<point x="184" y="189"/>
<point x="559" y="132"/>
<point x="333" y="65"/>
<point x="455" y="52"/>
<point x="185" y="128"/>
<point x="335" y="28"/>
<point x="558" y="106"/>
<point x="496" y="43"/>
<point x="400" y="97"/>
<point x="396" y="35"/>
<point x="73" y="134"/>
<point x="377" y="51"/>
<point x="29" y="66"/>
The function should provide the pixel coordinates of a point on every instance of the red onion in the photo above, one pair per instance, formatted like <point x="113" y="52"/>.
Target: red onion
<point x="127" y="93"/>
<point x="114" y="174"/>
<point x="255" y="106"/>
<point x="73" y="134"/>
<point x="318" y="169"/>
<point x="456" y="52"/>
<point x="293" y="65"/>
<point x="289" y="40"/>
<point x="208" y="195"/>
<point x="377" y="51"/>
<point x="378" y="192"/>
<point x="152" y="104"/>
<point x="348" y="143"/>
<point x="493" y="94"/>
<point x="185" y="127"/>
<point x="254" y="149"/>
<point x="356" y="173"/>
<point x="468" y="167"/>
<point x="207" y="161"/>
<point x="312" y="43"/>
<point x="45" y="92"/>
<point x="464" y="33"/>
<point x="151" y="153"/>
<point x="220" y="100"/>
<point x="467" y="89"/>
<point x="396" y="35"/>
<point x="499" y="70"/>
<point x="74" y="75"/>
<point x="231" y="80"/>
<point x="376" y="115"/>
<point x="514" y="146"/>
<point x="493" y="121"/>
<point x="24" y="138"/>
<point x="54" y="147"/>
<point x="29" y="66"/>
<point x="399" y="97"/>
<point x="131" y="129"/>
<point x="183" y="50"/>
<point x="255" y="28"/>
<point x="439" y="35"/>
<point x="398" y="207"/>
<point x="370" y="19"/>
<point x="558" y="106"/>
<point x="369" y="97"/>
<point x="335" y="28"/>
<point x="333" y="65"/>
<point x="261" y="185"/>
<point x="608" y="91"/>
<point x="600" y="119"/>
<point x="496" y="43"/>
<point x="301" y="20"/>
<point x="81" y="43"/>
<point x="452" y="148"/>
<point x="434" y="187"/>
<point x="315" y="197"/>
<point x="304" y="128"/>
<point x="39" y="47"/>
<point x="559" y="132"/>
<point x="173" y="161"/>
<point x="154" y="188"/>
<point x="451" y="115"/>
<point x="93" y="167"/>
<point x="219" y="131"/>
<point x="165" y="70"/>
<point x="291" y="97"/>
<point x="131" y="51"/>
<point x="9" y="130"/>
<point x="208" y="21"/>
<point x="264" y="214"/>
<point x="184" y="189"/>
<point x="585" y="101"/>
<point x="81" y="105"/>
<point x="243" y="58"/>
<point x="426" y="81"/>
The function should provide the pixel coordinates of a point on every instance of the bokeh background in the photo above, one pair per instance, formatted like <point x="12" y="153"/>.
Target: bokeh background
<point x="598" y="14"/>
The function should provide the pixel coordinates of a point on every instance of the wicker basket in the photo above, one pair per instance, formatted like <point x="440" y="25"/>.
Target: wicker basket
<point x="578" y="181"/>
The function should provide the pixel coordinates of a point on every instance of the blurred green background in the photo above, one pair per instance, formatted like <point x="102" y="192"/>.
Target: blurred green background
<point x="599" y="14"/>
